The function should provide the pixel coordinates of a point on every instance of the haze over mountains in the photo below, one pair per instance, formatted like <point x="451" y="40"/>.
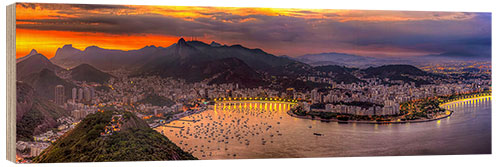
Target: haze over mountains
<point x="195" y="61"/>
<point x="87" y="73"/>
<point x="33" y="63"/>
<point x="42" y="75"/>
<point x="180" y="52"/>
<point x="352" y="60"/>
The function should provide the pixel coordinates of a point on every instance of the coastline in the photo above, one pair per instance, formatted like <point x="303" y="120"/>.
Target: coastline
<point x="463" y="100"/>
<point x="178" y="117"/>
<point x="368" y="122"/>
<point x="289" y="112"/>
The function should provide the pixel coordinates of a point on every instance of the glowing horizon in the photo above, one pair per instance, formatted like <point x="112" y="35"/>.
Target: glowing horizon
<point x="278" y="31"/>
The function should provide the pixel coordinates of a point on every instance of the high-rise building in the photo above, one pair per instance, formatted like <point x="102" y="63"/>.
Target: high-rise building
<point x="92" y="93"/>
<point x="74" y="94"/>
<point x="80" y="94"/>
<point x="86" y="94"/>
<point x="59" y="95"/>
<point x="315" y="96"/>
<point x="289" y="93"/>
<point x="329" y="107"/>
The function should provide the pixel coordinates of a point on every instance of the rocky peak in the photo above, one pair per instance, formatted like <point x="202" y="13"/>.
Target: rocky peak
<point x="93" y="47"/>
<point x="33" y="51"/>
<point x="181" y="42"/>
<point x="215" y="44"/>
<point x="67" y="46"/>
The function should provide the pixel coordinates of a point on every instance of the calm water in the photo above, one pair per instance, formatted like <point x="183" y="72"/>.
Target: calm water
<point x="226" y="133"/>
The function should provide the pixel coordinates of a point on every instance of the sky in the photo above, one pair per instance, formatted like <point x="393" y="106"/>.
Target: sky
<point x="291" y="32"/>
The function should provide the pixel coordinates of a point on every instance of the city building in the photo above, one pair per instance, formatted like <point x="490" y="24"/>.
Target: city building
<point x="80" y="94"/>
<point x="74" y="92"/>
<point x="59" y="95"/>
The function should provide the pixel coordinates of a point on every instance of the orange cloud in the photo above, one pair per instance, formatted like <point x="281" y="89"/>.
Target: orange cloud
<point x="47" y="42"/>
<point x="46" y="27"/>
<point x="41" y="11"/>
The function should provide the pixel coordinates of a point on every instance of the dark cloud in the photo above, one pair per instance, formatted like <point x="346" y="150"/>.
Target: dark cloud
<point x="114" y="24"/>
<point x="52" y="6"/>
<point x="438" y="36"/>
<point x="95" y="7"/>
<point x="305" y="12"/>
<point x="27" y="5"/>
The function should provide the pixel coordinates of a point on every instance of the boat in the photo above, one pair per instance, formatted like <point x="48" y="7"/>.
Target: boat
<point x="318" y="134"/>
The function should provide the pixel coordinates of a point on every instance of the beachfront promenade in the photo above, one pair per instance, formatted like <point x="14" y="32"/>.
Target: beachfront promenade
<point x="255" y="103"/>
<point x="466" y="101"/>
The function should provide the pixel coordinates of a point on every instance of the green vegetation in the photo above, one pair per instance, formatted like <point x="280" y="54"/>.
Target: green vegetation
<point x="135" y="142"/>
<point x="27" y="124"/>
<point x="156" y="100"/>
<point x="422" y="108"/>
<point x="428" y="107"/>
<point x="41" y="112"/>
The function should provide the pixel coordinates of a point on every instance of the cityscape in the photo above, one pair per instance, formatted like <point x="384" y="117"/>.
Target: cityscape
<point x="187" y="95"/>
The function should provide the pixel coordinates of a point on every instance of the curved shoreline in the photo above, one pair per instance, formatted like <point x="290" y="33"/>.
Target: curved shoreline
<point x="289" y="112"/>
<point x="464" y="100"/>
<point x="368" y="122"/>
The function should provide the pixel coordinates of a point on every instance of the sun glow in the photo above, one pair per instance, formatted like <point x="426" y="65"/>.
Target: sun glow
<point x="47" y="42"/>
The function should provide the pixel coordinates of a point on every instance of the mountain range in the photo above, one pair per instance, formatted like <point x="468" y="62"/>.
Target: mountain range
<point x="214" y="63"/>
<point x="180" y="52"/>
<point x="34" y="62"/>
<point x="405" y="73"/>
<point x="88" y="73"/>
<point x="340" y="59"/>
<point x="41" y="74"/>
<point x="352" y="60"/>
<point x="44" y="83"/>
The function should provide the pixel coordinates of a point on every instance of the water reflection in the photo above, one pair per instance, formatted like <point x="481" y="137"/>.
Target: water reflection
<point x="265" y="130"/>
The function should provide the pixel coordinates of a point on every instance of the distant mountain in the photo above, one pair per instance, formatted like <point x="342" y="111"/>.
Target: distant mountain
<point x="32" y="52"/>
<point x="104" y="59"/>
<point x="195" y="61"/>
<point x="195" y="51"/>
<point x="33" y="63"/>
<point x="293" y="69"/>
<point x="341" y="59"/>
<point x="351" y="60"/>
<point x="218" y="71"/>
<point x="34" y="115"/>
<point x="214" y="63"/>
<point x="483" y="55"/>
<point x="215" y="44"/>
<point x="391" y="70"/>
<point x="233" y="70"/>
<point x="405" y="73"/>
<point x="339" y="74"/>
<point x="134" y="142"/>
<point x="44" y="84"/>
<point x="85" y="72"/>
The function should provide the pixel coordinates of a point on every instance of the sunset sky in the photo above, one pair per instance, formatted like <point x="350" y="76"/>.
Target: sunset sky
<point x="292" y="32"/>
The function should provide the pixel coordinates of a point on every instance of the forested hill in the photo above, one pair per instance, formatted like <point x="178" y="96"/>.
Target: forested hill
<point x="136" y="141"/>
